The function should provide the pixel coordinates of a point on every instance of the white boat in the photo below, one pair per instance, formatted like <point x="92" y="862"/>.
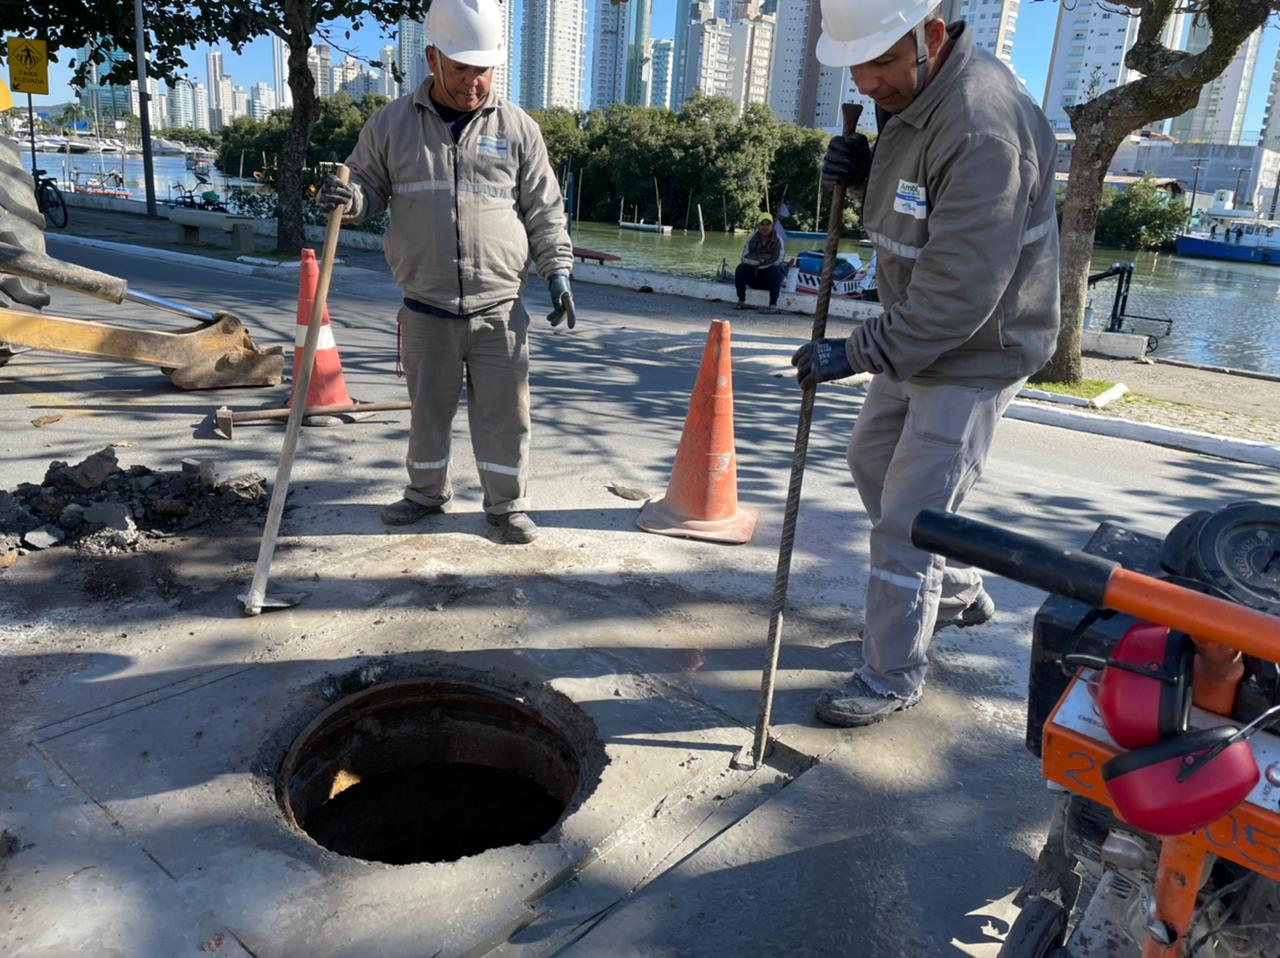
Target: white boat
<point x="643" y="227"/>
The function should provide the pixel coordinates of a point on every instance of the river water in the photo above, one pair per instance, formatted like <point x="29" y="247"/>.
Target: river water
<point x="169" y="170"/>
<point x="1224" y="314"/>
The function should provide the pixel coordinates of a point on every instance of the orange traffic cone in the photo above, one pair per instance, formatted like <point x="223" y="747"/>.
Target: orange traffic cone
<point x="328" y="386"/>
<point x="702" y="497"/>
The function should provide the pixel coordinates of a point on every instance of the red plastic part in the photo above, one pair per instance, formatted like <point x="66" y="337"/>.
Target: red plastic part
<point x="1151" y="798"/>
<point x="1131" y="706"/>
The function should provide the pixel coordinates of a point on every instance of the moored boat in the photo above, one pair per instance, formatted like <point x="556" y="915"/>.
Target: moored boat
<point x="1226" y="233"/>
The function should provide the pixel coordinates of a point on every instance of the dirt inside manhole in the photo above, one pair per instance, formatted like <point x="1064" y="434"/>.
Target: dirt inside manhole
<point x="427" y="770"/>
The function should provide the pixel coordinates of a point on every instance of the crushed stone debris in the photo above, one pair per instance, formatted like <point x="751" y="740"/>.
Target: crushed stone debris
<point x="99" y="507"/>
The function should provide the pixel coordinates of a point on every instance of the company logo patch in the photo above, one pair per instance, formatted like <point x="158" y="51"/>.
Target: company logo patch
<point x="911" y="199"/>
<point x="492" y="145"/>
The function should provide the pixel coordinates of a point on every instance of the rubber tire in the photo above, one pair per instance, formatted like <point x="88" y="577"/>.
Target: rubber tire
<point x="1037" y="932"/>
<point x="21" y="225"/>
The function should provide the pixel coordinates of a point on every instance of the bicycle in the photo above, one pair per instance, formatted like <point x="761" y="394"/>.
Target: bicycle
<point x="49" y="200"/>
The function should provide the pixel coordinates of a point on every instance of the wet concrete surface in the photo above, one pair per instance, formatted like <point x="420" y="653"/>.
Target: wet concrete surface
<point x="145" y="719"/>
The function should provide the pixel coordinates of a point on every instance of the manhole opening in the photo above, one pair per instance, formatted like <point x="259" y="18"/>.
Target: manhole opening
<point x="428" y="770"/>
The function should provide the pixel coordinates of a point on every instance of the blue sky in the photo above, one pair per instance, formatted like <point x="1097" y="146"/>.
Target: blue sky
<point x="1031" y="49"/>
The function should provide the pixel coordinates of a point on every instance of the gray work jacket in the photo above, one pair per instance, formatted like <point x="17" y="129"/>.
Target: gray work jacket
<point x="465" y="217"/>
<point x="960" y="208"/>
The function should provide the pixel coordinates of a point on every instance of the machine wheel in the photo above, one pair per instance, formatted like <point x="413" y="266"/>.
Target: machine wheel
<point x="1037" y="932"/>
<point x="21" y="225"/>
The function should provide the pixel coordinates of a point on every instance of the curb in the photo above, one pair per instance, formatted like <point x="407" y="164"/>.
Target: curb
<point x="1239" y="450"/>
<point x="279" y="272"/>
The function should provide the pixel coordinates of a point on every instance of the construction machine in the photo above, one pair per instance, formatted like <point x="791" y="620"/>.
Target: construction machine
<point x="1153" y="682"/>
<point x="215" y="352"/>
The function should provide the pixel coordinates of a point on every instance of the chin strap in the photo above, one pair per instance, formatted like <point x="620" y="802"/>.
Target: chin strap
<point x="922" y="58"/>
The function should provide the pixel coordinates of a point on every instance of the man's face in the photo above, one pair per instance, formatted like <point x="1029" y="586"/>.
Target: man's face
<point x="464" y="88"/>
<point x="890" y="79"/>
<point x="765" y="228"/>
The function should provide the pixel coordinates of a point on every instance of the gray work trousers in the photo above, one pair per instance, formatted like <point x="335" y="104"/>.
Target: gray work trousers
<point x="490" y="352"/>
<point x="916" y="447"/>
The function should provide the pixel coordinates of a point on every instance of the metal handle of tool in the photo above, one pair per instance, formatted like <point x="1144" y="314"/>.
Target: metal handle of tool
<point x="1098" y="582"/>
<point x="835" y="225"/>
<point x="257" y="594"/>
<point x="168" y="305"/>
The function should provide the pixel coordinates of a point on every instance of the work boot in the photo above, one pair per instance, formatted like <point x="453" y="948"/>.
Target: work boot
<point x="978" y="611"/>
<point x="855" y="703"/>
<point x="741" y="305"/>
<point x="406" y="511"/>
<point x="517" y="528"/>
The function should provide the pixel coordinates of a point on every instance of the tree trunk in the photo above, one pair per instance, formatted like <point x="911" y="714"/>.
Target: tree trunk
<point x="290" y="235"/>
<point x="1170" y="85"/>
<point x="1096" y="144"/>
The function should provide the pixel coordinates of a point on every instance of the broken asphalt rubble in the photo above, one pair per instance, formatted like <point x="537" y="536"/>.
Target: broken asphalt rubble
<point x="99" y="507"/>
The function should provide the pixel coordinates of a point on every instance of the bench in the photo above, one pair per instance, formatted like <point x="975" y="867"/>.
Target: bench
<point x="190" y="222"/>
<point x="601" y="258"/>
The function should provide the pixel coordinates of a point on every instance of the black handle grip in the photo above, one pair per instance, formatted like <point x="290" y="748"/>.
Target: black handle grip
<point x="1077" y="575"/>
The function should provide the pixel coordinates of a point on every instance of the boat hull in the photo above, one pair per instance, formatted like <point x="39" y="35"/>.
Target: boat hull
<point x="1236" y="252"/>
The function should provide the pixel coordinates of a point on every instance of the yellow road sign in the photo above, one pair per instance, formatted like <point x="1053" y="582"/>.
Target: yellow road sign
<point x="28" y="66"/>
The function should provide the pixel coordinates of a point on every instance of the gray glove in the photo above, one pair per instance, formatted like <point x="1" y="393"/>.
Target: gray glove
<point x="561" y="300"/>
<point x="334" y="194"/>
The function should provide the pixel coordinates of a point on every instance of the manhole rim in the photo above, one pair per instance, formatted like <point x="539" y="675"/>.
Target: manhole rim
<point x="348" y="708"/>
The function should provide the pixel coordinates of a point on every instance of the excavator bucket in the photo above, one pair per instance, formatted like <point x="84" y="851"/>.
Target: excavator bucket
<point x="215" y="353"/>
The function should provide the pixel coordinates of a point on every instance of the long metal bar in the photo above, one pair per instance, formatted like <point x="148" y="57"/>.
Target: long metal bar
<point x="835" y="224"/>
<point x="257" y="595"/>
<point x="159" y="302"/>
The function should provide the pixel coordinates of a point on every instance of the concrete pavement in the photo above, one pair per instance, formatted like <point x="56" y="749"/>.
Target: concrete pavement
<point x="145" y="719"/>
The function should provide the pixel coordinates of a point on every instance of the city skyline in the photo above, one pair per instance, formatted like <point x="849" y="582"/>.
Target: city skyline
<point x="1031" y="57"/>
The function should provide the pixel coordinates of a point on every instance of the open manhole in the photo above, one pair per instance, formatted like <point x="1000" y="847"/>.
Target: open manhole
<point x="429" y="770"/>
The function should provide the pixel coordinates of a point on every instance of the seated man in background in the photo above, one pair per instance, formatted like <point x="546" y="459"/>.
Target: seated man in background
<point x="762" y="265"/>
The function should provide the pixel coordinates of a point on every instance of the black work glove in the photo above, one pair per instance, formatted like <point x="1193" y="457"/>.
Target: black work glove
<point x="848" y="161"/>
<point x="821" y="361"/>
<point x="561" y="300"/>
<point x="334" y="194"/>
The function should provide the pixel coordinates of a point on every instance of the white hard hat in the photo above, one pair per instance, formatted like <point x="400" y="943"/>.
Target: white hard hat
<point x="858" y="31"/>
<point x="470" y="32"/>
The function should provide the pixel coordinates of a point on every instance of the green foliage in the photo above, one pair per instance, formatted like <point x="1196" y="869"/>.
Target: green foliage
<point x="1139" y="217"/>
<point x="637" y="157"/>
<point x="260" y="142"/>
<point x="181" y="134"/>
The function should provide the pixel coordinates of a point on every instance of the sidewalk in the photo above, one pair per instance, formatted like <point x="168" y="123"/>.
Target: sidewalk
<point x="145" y="722"/>
<point x="1239" y="407"/>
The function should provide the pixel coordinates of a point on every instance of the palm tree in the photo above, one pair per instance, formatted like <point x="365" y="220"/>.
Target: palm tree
<point x="71" y="114"/>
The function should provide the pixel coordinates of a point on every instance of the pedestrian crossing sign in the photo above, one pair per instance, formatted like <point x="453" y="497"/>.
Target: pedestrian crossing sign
<point x="28" y="65"/>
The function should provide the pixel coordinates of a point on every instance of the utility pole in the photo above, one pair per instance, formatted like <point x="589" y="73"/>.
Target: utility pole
<point x="1198" y="165"/>
<point x="144" y="108"/>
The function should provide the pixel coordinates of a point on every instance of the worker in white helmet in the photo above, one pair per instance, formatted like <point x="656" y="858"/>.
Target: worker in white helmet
<point x="959" y="203"/>
<point x="473" y="198"/>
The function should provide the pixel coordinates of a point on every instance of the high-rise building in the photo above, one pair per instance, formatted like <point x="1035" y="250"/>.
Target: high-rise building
<point x="660" y="55"/>
<point x="802" y="90"/>
<point x="156" y="115"/>
<point x="217" y="104"/>
<point x="551" y="56"/>
<point x="200" y="99"/>
<point x="707" y="52"/>
<point x="1271" y="118"/>
<point x="991" y="23"/>
<point x="1218" y="117"/>
<point x="411" y="54"/>
<point x="181" y="103"/>
<point x="1089" y="47"/>
<point x="262" y="100"/>
<point x="620" y="61"/>
<point x="386" y="85"/>
<point x="502" y="72"/>
<point x="101" y="97"/>
<point x="239" y="102"/>
<point x="280" y="71"/>
<point x="751" y="55"/>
